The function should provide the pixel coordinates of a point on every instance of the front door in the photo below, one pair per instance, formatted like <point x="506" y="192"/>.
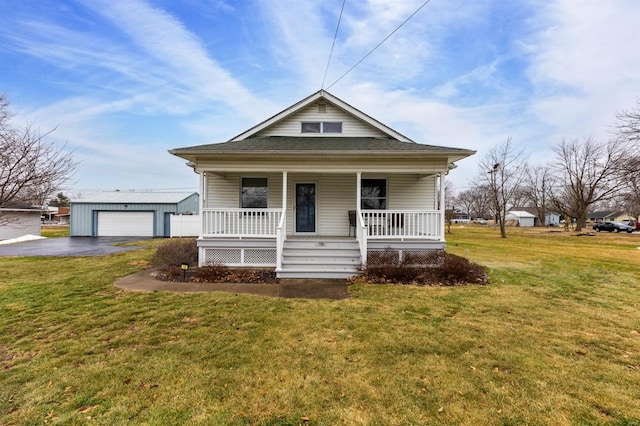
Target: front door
<point x="305" y="207"/>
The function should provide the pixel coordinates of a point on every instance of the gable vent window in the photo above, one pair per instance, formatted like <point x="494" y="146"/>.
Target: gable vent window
<point x="321" y="127"/>
<point x="322" y="107"/>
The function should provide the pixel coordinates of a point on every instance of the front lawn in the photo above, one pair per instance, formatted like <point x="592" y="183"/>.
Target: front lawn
<point x="554" y="339"/>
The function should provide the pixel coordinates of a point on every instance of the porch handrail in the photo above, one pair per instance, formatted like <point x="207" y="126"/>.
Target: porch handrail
<point x="361" y="235"/>
<point x="226" y="222"/>
<point x="281" y="233"/>
<point x="392" y="224"/>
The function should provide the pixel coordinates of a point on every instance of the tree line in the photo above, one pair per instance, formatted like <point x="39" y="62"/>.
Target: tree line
<point x="581" y="175"/>
<point x="32" y="167"/>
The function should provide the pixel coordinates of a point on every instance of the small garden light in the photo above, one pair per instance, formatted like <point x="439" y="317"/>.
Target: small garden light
<point x="185" y="267"/>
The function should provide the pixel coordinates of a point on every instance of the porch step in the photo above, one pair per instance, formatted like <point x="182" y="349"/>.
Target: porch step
<point x="320" y="259"/>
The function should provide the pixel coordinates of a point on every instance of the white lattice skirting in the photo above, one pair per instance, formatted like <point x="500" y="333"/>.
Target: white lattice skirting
<point x="239" y="257"/>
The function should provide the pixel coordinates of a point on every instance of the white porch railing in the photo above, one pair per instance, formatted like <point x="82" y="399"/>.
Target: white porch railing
<point x="249" y="223"/>
<point x="393" y="224"/>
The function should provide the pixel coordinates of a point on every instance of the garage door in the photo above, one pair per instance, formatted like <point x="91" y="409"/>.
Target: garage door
<point x="125" y="224"/>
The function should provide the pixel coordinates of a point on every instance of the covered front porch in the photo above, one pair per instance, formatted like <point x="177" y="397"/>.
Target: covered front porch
<point x="317" y="224"/>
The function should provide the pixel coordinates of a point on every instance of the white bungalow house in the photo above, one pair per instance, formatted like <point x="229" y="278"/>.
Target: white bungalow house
<point x="315" y="188"/>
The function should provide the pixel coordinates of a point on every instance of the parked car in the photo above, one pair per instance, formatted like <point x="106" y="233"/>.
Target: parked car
<point x="479" y="221"/>
<point x="613" y="227"/>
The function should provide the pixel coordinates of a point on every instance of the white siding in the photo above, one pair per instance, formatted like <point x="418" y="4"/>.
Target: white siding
<point x="335" y="195"/>
<point x="17" y="224"/>
<point x="409" y="192"/>
<point x="351" y="126"/>
<point x="224" y="191"/>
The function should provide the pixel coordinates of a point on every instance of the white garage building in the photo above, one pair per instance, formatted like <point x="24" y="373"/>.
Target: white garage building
<point x="131" y="214"/>
<point x="520" y="218"/>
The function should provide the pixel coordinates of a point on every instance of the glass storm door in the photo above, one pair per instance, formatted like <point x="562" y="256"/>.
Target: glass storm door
<point x="305" y="207"/>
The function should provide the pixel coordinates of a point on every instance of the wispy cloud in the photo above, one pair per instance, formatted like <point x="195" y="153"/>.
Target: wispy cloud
<point x="132" y="78"/>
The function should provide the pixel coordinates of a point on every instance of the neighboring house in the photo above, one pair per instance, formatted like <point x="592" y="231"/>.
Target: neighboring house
<point x="458" y="216"/>
<point x="609" y="216"/>
<point x="57" y="215"/>
<point x="18" y="221"/>
<point x="520" y="218"/>
<point x="135" y="214"/>
<point x="312" y="190"/>
<point x="551" y="218"/>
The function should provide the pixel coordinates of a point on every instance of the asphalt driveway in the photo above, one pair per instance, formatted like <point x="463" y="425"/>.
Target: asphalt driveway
<point x="68" y="246"/>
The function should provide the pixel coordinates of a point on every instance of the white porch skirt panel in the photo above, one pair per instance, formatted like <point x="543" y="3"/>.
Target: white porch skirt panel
<point x="238" y="257"/>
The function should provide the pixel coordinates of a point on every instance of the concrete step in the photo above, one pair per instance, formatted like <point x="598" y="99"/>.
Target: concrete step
<point x="311" y="244"/>
<point x="329" y="252"/>
<point x="303" y="273"/>
<point x="320" y="259"/>
<point x="320" y="266"/>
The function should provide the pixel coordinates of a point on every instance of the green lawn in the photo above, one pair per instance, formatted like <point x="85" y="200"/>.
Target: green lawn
<point x="553" y="340"/>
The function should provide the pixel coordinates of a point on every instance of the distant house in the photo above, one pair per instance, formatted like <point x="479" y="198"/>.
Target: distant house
<point x="56" y="215"/>
<point x="458" y="216"/>
<point x="520" y="218"/>
<point x="314" y="189"/>
<point x="135" y="214"/>
<point x="610" y="216"/>
<point x="17" y="221"/>
<point x="551" y="218"/>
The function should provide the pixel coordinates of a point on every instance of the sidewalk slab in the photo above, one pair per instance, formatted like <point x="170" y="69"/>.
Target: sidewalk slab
<point x="290" y="288"/>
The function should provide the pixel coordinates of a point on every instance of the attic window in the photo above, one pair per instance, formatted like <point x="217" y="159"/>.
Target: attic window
<point x="321" y="127"/>
<point x="322" y="107"/>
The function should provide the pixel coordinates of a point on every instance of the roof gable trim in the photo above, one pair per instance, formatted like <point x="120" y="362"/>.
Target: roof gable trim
<point x="326" y="96"/>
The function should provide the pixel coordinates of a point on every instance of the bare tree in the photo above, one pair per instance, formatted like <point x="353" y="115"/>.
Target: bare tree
<point x="540" y="182"/>
<point x="627" y="132"/>
<point x="627" y="126"/>
<point x="477" y="201"/>
<point x="588" y="173"/>
<point x="31" y="166"/>
<point x="502" y="170"/>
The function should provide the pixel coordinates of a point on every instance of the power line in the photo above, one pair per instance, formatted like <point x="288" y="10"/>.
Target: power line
<point x="335" y="36"/>
<point x="379" y="44"/>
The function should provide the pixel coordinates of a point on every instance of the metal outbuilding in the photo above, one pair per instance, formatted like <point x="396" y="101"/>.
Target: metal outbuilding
<point x="135" y="214"/>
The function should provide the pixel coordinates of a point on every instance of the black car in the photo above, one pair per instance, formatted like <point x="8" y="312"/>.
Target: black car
<point x="613" y="227"/>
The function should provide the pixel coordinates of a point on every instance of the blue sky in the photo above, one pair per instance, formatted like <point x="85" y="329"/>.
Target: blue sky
<point x="124" y="81"/>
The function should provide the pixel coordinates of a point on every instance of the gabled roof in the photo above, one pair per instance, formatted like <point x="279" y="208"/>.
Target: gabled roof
<point x="603" y="214"/>
<point x="259" y="141"/>
<point x="520" y="213"/>
<point x="26" y="210"/>
<point x="112" y="197"/>
<point x="328" y="97"/>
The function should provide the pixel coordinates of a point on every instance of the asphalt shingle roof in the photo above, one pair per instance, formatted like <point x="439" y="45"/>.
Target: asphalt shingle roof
<point x="313" y="144"/>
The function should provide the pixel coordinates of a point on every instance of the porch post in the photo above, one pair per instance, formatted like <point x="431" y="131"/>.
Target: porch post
<point x="284" y="200"/>
<point x="203" y="200"/>
<point x="442" y="206"/>
<point x="358" y="192"/>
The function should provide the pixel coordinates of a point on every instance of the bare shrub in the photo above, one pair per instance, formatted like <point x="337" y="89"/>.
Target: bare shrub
<point x="459" y="270"/>
<point x="433" y="268"/>
<point x="211" y="274"/>
<point x="176" y="252"/>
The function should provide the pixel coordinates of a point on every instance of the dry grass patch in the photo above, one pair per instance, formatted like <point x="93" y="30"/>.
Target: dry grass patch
<point x="552" y="341"/>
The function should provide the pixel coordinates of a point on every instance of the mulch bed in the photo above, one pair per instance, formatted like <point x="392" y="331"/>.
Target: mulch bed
<point x="218" y="275"/>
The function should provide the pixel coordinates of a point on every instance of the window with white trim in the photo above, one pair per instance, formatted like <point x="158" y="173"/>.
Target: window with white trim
<point x="254" y="193"/>
<point x="321" y="127"/>
<point x="373" y="195"/>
